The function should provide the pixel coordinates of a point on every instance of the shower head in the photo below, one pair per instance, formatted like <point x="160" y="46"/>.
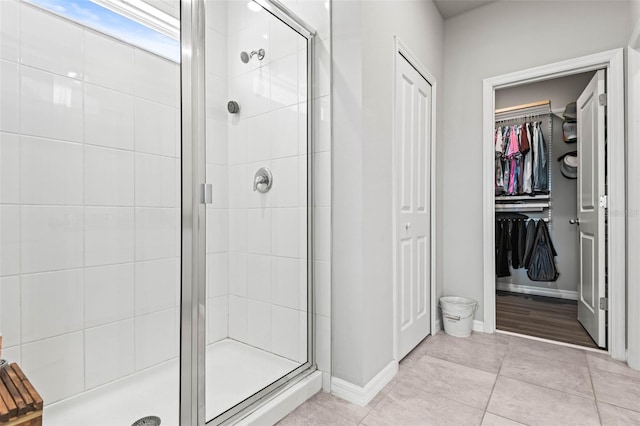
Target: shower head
<point x="246" y="57"/>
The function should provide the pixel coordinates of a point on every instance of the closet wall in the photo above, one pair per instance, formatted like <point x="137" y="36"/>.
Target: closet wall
<point x="560" y="92"/>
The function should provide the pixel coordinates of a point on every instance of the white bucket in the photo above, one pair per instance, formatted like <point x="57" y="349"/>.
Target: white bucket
<point x="457" y="315"/>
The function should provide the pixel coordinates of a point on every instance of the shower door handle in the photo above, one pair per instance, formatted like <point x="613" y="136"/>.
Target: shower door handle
<point x="207" y="193"/>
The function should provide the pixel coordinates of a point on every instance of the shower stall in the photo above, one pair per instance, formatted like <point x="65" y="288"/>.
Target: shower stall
<point x="157" y="205"/>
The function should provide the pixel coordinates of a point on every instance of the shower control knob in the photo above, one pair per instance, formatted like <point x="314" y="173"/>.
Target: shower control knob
<point x="263" y="180"/>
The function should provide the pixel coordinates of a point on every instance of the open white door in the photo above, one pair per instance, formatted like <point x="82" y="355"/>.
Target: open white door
<point x="591" y="207"/>
<point x="413" y="207"/>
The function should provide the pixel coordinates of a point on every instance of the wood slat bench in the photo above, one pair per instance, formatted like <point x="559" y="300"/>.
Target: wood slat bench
<point x="20" y="403"/>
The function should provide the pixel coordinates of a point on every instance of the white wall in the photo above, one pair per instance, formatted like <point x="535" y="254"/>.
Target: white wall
<point x="478" y="45"/>
<point x="560" y="92"/>
<point x="88" y="204"/>
<point x="362" y="250"/>
<point x="634" y="15"/>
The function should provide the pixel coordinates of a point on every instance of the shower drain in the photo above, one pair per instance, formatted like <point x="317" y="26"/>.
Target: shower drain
<point x="147" y="421"/>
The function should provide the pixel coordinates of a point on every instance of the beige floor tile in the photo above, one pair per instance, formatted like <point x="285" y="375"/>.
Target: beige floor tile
<point x="611" y="415"/>
<point x="408" y="405"/>
<point x="616" y="389"/>
<point x="493" y="420"/>
<point x="551" y="373"/>
<point x="416" y="353"/>
<point x="548" y="350"/>
<point x="477" y="351"/>
<point x="603" y="361"/>
<point x="460" y="383"/>
<point x="313" y="414"/>
<point x="536" y="405"/>
<point x="339" y="406"/>
<point x="490" y="339"/>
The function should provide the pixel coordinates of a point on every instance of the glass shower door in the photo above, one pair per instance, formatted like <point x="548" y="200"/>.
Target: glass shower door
<point x="89" y="209"/>
<point x="257" y="226"/>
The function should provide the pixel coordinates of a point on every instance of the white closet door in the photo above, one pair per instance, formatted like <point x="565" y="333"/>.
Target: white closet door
<point x="413" y="208"/>
<point x="591" y="212"/>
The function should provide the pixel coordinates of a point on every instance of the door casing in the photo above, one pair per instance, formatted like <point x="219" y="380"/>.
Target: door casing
<point x="401" y="49"/>
<point x="613" y="62"/>
<point x="633" y="197"/>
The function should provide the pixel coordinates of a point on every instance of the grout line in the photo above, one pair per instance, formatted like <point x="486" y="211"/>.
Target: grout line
<point x="595" y="396"/>
<point x="496" y="381"/>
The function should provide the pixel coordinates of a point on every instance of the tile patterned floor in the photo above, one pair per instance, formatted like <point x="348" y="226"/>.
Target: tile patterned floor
<point x="491" y="379"/>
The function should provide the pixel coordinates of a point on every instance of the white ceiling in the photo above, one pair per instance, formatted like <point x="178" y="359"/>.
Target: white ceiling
<point x="450" y="8"/>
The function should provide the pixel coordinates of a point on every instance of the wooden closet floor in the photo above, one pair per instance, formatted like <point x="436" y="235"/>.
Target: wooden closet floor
<point x="538" y="316"/>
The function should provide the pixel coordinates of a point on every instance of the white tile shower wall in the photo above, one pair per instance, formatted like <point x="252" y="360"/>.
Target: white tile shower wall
<point x="267" y="232"/>
<point x="89" y="177"/>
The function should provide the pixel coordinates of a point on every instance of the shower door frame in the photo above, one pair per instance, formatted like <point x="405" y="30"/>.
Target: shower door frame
<point x="193" y="217"/>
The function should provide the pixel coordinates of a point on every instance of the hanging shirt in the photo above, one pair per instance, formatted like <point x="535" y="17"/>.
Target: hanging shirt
<point x="499" y="173"/>
<point x="539" y="160"/>
<point x="527" y="186"/>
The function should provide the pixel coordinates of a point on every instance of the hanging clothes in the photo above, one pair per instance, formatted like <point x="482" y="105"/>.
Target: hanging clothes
<point x="522" y="238"/>
<point x="515" y="252"/>
<point x="513" y="154"/>
<point x="529" y="240"/>
<point x="522" y="242"/>
<point x="527" y="186"/>
<point x="521" y="164"/>
<point x="540" y="165"/>
<point x="498" y="142"/>
<point x="502" y="251"/>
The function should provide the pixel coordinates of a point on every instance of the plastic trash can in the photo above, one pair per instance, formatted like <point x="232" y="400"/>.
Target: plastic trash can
<point x="457" y="315"/>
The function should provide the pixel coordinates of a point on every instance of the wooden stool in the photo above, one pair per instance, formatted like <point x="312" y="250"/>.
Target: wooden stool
<point x="20" y="404"/>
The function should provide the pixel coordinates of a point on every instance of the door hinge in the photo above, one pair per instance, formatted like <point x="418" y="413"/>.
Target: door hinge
<point x="207" y="193"/>
<point x="603" y="99"/>
<point x="604" y="201"/>
<point x="604" y="303"/>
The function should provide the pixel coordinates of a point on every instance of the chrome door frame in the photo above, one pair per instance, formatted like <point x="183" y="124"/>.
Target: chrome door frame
<point x="193" y="217"/>
<point x="193" y="243"/>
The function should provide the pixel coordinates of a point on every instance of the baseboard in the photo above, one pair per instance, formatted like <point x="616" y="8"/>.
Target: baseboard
<point x="362" y="395"/>
<point x="478" y="326"/>
<point x="538" y="291"/>
<point x="278" y="408"/>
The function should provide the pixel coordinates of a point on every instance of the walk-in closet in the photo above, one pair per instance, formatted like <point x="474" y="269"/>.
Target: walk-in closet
<point x="543" y="178"/>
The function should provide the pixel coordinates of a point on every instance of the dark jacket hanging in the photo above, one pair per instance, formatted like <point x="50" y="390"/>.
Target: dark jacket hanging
<point x="502" y="261"/>
<point x="522" y="235"/>
<point x="529" y="240"/>
<point x="515" y="254"/>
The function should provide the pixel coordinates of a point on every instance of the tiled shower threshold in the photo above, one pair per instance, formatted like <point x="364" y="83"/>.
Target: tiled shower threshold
<point x="235" y="372"/>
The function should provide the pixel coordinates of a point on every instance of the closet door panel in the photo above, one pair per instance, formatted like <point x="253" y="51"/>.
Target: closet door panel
<point x="407" y="143"/>
<point x="407" y="283"/>
<point x="413" y="216"/>
<point x="591" y="213"/>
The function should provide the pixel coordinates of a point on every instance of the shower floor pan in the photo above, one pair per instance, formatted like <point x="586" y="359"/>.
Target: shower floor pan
<point x="235" y="371"/>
